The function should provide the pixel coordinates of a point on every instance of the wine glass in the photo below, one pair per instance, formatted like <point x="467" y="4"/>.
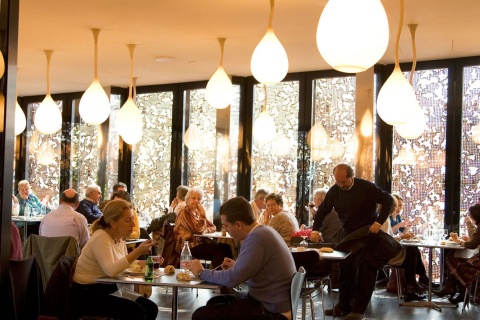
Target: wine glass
<point x="304" y="242"/>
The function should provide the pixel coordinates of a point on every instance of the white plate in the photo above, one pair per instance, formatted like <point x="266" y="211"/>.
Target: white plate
<point x="451" y="243"/>
<point x="134" y="271"/>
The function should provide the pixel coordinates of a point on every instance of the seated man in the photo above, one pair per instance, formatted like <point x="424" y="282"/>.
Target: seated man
<point x="120" y="186"/>
<point x="258" y="204"/>
<point x="263" y="251"/>
<point x="282" y="220"/>
<point x="65" y="221"/>
<point x="89" y="206"/>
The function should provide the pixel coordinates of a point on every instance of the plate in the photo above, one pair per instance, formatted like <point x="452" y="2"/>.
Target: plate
<point x="451" y="243"/>
<point x="134" y="271"/>
<point x="412" y="240"/>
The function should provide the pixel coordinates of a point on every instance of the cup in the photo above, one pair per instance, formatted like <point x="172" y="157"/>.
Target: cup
<point x="156" y="262"/>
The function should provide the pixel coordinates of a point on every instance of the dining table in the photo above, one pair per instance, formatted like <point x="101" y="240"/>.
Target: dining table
<point x="430" y="245"/>
<point x="25" y="220"/>
<point x="223" y="238"/>
<point x="335" y="255"/>
<point x="160" y="279"/>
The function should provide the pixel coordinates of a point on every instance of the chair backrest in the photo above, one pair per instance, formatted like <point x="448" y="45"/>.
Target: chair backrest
<point x="25" y="288"/>
<point x="169" y="254"/>
<point x="48" y="251"/>
<point x="305" y="259"/>
<point x="296" y="289"/>
<point x="57" y="294"/>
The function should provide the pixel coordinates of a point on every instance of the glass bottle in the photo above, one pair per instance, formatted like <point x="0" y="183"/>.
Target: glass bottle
<point x="185" y="257"/>
<point x="149" y="269"/>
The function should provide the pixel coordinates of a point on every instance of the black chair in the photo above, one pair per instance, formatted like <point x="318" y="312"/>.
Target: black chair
<point x="26" y="289"/>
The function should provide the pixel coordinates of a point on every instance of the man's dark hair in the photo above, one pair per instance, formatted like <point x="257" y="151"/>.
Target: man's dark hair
<point x="238" y="209"/>
<point x="346" y="167"/>
<point x="122" y="195"/>
<point x="119" y="185"/>
<point x="275" y="197"/>
<point x="72" y="200"/>
<point x="182" y="192"/>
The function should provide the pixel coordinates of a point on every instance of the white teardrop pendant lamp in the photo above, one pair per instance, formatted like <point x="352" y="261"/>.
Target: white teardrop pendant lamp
<point x="352" y="35"/>
<point x="20" y="120"/>
<point x="396" y="99"/>
<point x="219" y="91"/>
<point x="192" y="138"/>
<point x="269" y="62"/>
<point x="129" y="121"/>
<point x="48" y="118"/>
<point x="264" y="128"/>
<point x="94" y="105"/>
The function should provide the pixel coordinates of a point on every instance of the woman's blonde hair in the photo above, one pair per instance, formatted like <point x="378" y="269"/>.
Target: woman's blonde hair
<point x="113" y="211"/>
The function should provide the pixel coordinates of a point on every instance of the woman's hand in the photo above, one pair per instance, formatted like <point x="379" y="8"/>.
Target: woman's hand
<point x="454" y="236"/>
<point x="144" y="248"/>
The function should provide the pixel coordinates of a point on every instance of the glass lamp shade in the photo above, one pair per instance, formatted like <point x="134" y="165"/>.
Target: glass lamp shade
<point x="269" y="62"/>
<point x="20" y="121"/>
<point x="94" y="105"/>
<point x="475" y="132"/>
<point x="129" y="123"/>
<point x="396" y="100"/>
<point x="366" y="126"/>
<point x="317" y="137"/>
<point x="219" y="92"/>
<point x="192" y="138"/>
<point x="264" y="128"/>
<point x="352" y="35"/>
<point x="48" y="118"/>
<point x="415" y="126"/>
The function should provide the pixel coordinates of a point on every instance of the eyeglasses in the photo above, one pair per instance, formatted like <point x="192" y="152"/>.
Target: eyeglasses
<point x="271" y="205"/>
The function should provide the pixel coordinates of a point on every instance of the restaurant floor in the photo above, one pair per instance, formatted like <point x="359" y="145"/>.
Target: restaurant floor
<point x="384" y="305"/>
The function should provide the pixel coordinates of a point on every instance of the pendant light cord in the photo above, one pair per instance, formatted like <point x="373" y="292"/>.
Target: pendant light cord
<point x="413" y="29"/>
<point x="270" y="18"/>
<point x="399" y="32"/>
<point x="131" y="48"/>
<point x="266" y="94"/>
<point x="95" y="32"/>
<point x="48" y="54"/>
<point x="221" y="42"/>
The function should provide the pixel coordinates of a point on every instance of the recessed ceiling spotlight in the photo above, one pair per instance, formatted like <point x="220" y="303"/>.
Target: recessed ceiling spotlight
<point x="193" y="61"/>
<point x="163" y="59"/>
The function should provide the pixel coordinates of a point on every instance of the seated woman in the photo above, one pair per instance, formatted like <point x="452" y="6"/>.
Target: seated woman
<point x="192" y="220"/>
<point x="105" y="254"/>
<point x="406" y="259"/>
<point x="462" y="272"/>
<point x="124" y="195"/>
<point x="282" y="220"/>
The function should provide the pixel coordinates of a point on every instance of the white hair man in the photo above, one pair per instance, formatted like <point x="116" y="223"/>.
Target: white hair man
<point x="89" y="206"/>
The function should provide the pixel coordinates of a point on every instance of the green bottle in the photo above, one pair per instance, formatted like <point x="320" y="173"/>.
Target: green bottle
<point x="149" y="269"/>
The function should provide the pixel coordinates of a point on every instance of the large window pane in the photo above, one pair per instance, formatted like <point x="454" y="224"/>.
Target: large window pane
<point x="151" y="172"/>
<point x="419" y="164"/>
<point x="274" y="163"/>
<point x="470" y="186"/>
<point x="210" y="149"/>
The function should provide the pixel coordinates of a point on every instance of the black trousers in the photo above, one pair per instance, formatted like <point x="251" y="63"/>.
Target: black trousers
<point x="96" y="300"/>
<point x="230" y="307"/>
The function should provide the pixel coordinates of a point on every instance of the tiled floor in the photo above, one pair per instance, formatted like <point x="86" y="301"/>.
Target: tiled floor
<point x="384" y="305"/>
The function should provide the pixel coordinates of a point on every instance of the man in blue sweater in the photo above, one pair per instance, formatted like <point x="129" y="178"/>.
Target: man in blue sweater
<point x="264" y="262"/>
<point x="355" y="200"/>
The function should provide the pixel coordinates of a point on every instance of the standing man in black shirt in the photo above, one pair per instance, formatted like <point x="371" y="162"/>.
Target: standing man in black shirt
<point x="355" y="200"/>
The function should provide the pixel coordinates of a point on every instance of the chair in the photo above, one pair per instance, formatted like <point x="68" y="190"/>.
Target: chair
<point x="295" y="290"/>
<point x="398" y="271"/>
<point x="26" y="289"/>
<point x="468" y="291"/>
<point x="307" y="260"/>
<point x="169" y="254"/>
<point x="57" y="294"/>
<point x="48" y="251"/>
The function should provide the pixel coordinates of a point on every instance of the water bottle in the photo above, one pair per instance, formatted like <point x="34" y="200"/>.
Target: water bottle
<point x="27" y="212"/>
<point x="149" y="269"/>
<point x="185" y="257"/>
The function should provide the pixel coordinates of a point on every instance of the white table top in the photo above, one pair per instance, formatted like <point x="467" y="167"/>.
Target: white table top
<point x="213" y="235"/>
<point x="426" y="244"/>
<point x="27" y="219"/>
<point x="335" y="255"/>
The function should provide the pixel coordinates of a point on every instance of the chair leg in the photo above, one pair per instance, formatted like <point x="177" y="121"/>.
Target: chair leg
<point x="399" y="286"/>
<point x="465" y="298"/>
<point x="304" y="307"/>
<point x="312" y="307"/>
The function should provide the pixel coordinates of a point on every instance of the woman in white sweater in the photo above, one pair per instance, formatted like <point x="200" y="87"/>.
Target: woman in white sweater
<point x="105" y="254"/>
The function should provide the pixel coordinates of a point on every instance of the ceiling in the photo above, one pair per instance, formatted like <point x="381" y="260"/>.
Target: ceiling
<point x="186" y="32"/>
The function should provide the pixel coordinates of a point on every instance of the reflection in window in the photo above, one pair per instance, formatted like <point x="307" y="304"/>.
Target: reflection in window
<point x="274" y="163"/>
<point x="211" y="155"/>
<point x="151" y="172"/>
<point x="470" y="186"/>
<point x="418" y="173"/>
<point x="43" y="160"/>
<point x="334" y="109"/>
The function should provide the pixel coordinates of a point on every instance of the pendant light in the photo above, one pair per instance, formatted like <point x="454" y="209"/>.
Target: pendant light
<point x="269" y="62"/>
<point x="396" y="99"/>
<point x="416" y="124"/>
<point x="352" y="35"/>
<point x="129" y="123"/>
<point x="94" y="105"/>
<point x="48" y="118"/>
<point x="192" y="138"/>
<point x="317" y="137"/>
<point x="219" y="91"/>
<point x="20" y="120"/>
<point x="264" y="128"/>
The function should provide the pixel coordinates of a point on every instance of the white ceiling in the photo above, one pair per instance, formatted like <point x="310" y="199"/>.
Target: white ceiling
<point x="186" y="31"/>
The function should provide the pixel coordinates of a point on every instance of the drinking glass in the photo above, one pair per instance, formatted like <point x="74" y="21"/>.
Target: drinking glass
<point x="304" y="242"/>
<point x="27" y="212"/>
